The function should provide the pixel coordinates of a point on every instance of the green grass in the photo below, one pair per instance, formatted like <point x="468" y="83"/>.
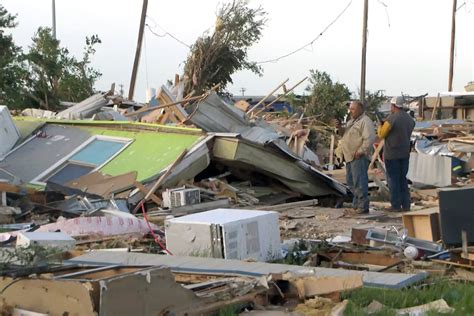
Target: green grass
<point x="458" y="295"/>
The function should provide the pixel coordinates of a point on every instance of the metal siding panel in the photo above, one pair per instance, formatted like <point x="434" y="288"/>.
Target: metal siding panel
<point x="235" y="267"/>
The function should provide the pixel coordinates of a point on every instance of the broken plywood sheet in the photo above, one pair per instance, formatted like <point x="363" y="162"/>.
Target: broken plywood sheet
<point x="243" y="268"/>
<point x="165" y="96"/>
<point x="423" y="224"/>
<point x="242" y="105"/>
<point x="148" y="292"/>
<point x="320" y="285"/>
<point x="103" y="185"/>
<point x="47" y="296"/>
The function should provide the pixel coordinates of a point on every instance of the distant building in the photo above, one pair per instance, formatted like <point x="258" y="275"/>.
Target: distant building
<point x="279" y="106"/>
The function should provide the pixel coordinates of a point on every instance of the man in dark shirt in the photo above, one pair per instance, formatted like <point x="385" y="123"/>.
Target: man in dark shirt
<point x="396" y="131"/>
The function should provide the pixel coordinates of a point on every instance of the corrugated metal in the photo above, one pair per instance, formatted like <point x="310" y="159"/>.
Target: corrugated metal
<point x="236" y="267"/>
<point x="430" y="170"/>
<point x="214" y="115"/>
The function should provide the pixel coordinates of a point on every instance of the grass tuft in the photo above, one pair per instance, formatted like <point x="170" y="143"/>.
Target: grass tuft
<point x="458" y="295"/>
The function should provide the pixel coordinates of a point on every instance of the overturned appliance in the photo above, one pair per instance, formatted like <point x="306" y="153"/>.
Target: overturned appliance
<point x="225" y="233"/>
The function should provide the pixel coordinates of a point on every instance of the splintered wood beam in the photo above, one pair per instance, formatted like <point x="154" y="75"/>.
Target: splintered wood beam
<point x="143" y="188"/>
<point x="266" y="97"/>
<point x="164" y="105"/>
<point x="281" y="96"/>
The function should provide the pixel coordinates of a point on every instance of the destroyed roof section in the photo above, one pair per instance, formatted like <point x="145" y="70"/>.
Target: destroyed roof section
<point x="131" y="126"/>
<point x="148" y="154"/>
<point x="242" y="154"/>
<point x="214" y="115"/>
<point x="30" y="159"/>
<point x="151" y="150"/>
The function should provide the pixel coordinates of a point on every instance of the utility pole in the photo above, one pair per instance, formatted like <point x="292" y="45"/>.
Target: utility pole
<point x="364" y="51"/>
<point x="54" y="19"/>
<point x="243" y="91"/>
<point x="451" y="52"/>
<point x="131" y="90"/>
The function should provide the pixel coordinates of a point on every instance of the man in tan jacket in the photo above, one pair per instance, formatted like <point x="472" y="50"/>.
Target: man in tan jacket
<point x="358" y="137"/>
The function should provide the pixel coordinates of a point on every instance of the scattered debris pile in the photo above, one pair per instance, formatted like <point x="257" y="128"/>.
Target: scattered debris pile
<point x="208" y="204"/>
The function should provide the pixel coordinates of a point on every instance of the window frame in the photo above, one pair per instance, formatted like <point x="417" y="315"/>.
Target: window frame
<point x="38" y="180"/>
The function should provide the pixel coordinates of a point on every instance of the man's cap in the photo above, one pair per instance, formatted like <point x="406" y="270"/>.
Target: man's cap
<point x="397" y="101"/>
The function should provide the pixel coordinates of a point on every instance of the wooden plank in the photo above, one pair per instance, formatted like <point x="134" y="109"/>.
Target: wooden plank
<point x="433" y="113"/>
<point x="423" y="224"/>
<point x="195" y="208"/>
<point x="465" y="252"/>
<point x="242" y="105"/>
<point x="287" y="206"/>
<point x="145" y="191"/>
<point x="266" y="97"/>
<point x="163" y="177"/>
<point x="451" y="263"/>
<point x="3" y="198"/>
<point x="377" y="259"/>
<point x="165" y="117"/>
<point x="314" y="286"/>
<point x="11" y="188"/>
<point x="331" y="150"/>
<point x="281" y="96"/>
<point x="150" y="108"/>
<point x="376" y="153"/>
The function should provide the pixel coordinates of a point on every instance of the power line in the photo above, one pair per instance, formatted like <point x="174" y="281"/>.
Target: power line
<point x="166" y="32"/>
<point x="465" y="5"/>
<point x="146" y="61"/>
<point x="386" y="10"/>
<point x="274" y="60"/>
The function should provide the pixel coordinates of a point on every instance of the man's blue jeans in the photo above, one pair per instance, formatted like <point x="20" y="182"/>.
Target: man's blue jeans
<point x="358" y="182"/>
<point x="397" y="170"/>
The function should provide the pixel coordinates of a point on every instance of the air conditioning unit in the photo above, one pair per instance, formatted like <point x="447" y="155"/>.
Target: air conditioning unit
<point x="181" y="197"/>
<point x="225" y="233"/>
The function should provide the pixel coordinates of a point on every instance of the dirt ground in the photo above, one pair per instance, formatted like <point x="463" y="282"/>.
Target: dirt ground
<point x="321" y="223"/>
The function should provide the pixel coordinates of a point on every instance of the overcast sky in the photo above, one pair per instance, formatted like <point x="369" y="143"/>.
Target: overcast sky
<point x="407" y="50"/>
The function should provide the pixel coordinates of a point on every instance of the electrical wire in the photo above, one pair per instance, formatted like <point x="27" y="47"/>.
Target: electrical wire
<point x="274" y="60"/>
<point x="386" y="10"/>
<point x="157" y="240"/>
<point x="166" y="32"/>
<point x="146" y="61"/>
<point x="466" y="7"/>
